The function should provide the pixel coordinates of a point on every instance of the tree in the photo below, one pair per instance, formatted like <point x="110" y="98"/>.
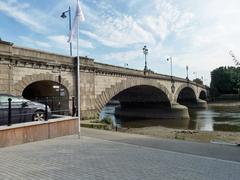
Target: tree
<point x="198" y="81"/>
<point x="225" y="80"/>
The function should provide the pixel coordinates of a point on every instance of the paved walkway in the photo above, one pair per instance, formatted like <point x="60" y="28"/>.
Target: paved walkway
<point x="224" y="152"/>
<point x="91" y="158"/>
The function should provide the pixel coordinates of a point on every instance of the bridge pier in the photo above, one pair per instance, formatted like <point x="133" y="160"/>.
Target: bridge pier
<point x="202" y="104"/>
<point x="198" y="104"/>
<point x="176" y="111"/>
<point x="179" y="111"/>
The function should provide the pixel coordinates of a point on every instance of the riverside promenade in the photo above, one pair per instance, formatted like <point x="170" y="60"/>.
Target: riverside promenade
<point x="110" y="155"/>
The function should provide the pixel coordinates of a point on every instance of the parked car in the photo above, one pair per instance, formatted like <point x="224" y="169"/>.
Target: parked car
<point x="22" y="110"/>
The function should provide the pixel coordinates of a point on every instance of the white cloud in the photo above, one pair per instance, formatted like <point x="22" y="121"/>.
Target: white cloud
<point x="19" y="11"/>
<point x="216" y="35"/>
<point x="150" y="23"/>
<point x="123" y="57"/>
<point x="61" y="41"/>
<point x="119" y="32"/>
<point x="34" y="43"/>
<point x="200" y="33"/>
<point x="57" y="43"/>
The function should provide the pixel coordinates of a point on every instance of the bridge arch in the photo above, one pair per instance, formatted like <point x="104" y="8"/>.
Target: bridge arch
<point x="184" y="87"/>
<point x="203" y="95"/>
<point x="37" y="87"/>
<point x="45" y="88"/>
<point x="186" y="95"/>
<point x="30" y="79"/>
<point x="109" y="93"/>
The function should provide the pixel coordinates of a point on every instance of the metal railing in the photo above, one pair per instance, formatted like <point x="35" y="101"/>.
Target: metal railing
<point x="19" y="112"/>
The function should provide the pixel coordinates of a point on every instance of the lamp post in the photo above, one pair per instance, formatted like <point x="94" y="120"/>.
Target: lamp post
<point x="59" y="90"/>
<point x="187" y="72"/>
<point x="205" y="81"/>
<point x="195" y="74"/>
<point x="196" y="81"/>
<point x="59" y="86"/>
<point x="64" y="16"/>
<point x="145" y="52"/>
<point x="170" y="59"/>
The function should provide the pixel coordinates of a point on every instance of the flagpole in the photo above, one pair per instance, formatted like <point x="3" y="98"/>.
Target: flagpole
<point x="75" y="30"/>
<point x="78" y="83"/>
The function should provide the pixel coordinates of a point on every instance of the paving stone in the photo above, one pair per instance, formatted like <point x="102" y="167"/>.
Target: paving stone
<point x="90" y="158"/>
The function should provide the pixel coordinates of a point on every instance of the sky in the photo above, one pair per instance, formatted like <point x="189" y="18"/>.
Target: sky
<point x="197" y="33"/>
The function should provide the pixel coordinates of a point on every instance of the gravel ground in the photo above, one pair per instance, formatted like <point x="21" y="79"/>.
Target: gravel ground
<point x="199" y="136"/>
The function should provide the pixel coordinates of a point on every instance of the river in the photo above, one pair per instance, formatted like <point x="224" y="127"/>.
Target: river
<point x="211" y="119"/>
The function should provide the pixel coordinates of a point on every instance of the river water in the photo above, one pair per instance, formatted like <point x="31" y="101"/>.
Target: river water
<point x="211" y="119"/>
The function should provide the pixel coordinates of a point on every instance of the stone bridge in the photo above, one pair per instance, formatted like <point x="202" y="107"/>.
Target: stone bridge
<point x="37" y="74"/>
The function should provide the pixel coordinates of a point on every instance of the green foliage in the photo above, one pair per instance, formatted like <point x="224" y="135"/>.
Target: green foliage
<point x="107" y="120"/>
<point x="198" y="81"/>
<point x="225" y="80"/>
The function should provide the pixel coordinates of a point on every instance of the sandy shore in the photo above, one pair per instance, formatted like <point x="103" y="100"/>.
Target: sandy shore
<point x="224" y="104"/>
<point x="169" y="133"/>
<point x="190" y="135"/>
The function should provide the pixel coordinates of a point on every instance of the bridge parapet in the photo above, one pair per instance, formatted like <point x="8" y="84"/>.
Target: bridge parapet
<point x="122" y="71"/>
<point x="5" y="48"/>
<point x="32" y="54"/>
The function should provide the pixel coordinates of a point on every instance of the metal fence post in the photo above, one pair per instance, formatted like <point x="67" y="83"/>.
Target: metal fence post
<point x="46" y="110"/>
<point x="9" y="112"/>
<point x="73" y="106"/>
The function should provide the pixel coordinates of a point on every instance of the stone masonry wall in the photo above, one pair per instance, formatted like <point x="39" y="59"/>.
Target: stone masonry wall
<point x="103" y="82"/>
<point x="5" y="78"/>
<point x="87" y="87"/>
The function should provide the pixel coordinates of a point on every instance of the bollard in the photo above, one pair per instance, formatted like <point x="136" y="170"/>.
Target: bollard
<point x="52" y="104"/>
<point x="73" y="106"/>
<point x="9" y="112"/>
<point x="46" y="110"/>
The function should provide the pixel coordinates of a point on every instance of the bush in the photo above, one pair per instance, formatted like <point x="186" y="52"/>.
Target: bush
<point x="107" y="120"/>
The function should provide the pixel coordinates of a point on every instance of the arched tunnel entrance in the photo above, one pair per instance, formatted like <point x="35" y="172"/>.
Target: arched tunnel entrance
<point x="53" y="93"/>
<point x="142" y="101"/>
<point x="187" y="97"/>
<point x="203" y="96"/>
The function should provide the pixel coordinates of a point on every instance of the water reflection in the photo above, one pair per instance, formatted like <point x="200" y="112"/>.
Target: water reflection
<point x="202" y="119"/>
<point x="211" y="119"/>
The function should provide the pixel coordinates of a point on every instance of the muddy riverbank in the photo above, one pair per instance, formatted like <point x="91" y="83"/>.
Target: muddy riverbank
<point x="170" y="133"/>
<point x="189" y="135"/>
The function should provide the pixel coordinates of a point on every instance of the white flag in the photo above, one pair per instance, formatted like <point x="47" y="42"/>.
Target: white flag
<point x="79" y="16"/>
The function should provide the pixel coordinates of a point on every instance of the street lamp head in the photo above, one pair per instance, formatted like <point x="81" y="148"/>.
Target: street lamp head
<point x="63" y="15"/>
<point x="145" y="50"/>
<point x="169" y="59"/>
